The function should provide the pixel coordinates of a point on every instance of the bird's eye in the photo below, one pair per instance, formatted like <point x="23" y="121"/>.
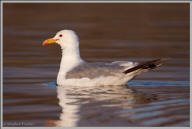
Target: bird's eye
<point x="60" y="35"/>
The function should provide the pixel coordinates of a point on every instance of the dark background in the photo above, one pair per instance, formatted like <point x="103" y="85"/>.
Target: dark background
<point x="107" y="32"/>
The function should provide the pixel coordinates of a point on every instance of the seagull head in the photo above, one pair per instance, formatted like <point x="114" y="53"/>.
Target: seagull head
<point x="65" y="38"/>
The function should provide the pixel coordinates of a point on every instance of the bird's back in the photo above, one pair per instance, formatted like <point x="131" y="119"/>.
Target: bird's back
<point x="94" y="70"/>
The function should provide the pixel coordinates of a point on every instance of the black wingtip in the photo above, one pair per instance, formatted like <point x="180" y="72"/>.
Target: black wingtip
<point x="147" y="65"/>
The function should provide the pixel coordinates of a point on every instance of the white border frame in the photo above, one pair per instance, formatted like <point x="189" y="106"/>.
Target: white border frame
<point x="95" y="1"/>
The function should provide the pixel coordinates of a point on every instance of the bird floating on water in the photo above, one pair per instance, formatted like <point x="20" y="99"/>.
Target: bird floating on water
<point x="74" y="71"/>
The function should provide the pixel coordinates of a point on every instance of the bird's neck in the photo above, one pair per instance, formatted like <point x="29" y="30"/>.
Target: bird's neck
<point x="70" y="56"/>
<point x="70" y="59"/>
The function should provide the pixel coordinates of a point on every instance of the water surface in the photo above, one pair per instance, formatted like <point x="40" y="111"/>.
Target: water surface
<point x="107" y="32"/>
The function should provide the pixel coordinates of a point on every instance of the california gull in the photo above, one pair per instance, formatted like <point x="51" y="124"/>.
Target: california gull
<point x="75" y="71"/>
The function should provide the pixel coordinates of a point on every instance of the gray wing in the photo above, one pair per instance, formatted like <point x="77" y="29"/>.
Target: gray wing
<point x="93" y="70"/>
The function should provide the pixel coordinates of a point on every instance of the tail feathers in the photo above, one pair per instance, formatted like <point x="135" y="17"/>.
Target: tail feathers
<point x="148" y="65"/>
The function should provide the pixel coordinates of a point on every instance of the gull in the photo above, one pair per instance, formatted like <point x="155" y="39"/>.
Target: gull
<point x="74" y="71"/>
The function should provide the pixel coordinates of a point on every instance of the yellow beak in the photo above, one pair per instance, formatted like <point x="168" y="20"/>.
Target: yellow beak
<point x="49" y="41"/>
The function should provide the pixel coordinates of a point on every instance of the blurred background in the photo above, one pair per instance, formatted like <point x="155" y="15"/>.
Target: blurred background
<point x="107" y="32"/>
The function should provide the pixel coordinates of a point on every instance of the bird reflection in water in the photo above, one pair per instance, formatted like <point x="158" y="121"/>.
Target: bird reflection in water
<point x="83" y="103"/>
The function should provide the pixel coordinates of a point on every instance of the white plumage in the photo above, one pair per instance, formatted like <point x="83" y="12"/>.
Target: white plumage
<point x="76" y="72"/>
